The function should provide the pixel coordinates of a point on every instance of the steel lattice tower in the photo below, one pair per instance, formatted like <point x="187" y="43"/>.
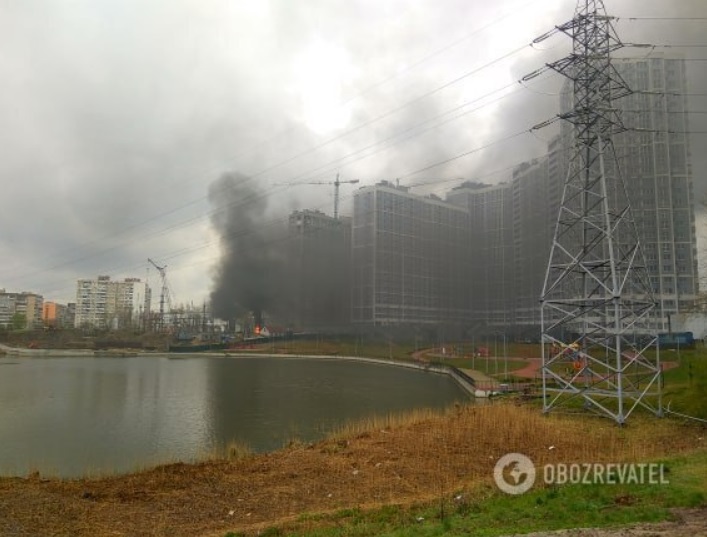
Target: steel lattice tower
<point x="596" y="300"/>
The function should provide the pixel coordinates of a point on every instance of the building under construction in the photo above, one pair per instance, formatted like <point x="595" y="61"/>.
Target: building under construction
<point x="410" y="257"/>
<point x="319" y="271"/>
<point x="479" y="258"/>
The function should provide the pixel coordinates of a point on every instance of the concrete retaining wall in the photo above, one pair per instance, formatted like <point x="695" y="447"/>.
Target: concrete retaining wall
<point x="463" y="380"/>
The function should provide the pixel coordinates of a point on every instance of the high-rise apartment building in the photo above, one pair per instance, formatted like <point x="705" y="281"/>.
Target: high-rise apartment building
<point x="480" y="257"/>
<point x="319" y="270"/>
<point x="106" y="304"/>
<point x="489" y="217"/>
<point x="534" y="216"/>
<point x="410" y="263"/>
<point x="653" y="155"/>
<point x="654" y="159"/>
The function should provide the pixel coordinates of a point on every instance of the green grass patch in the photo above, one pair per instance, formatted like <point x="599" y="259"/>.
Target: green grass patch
<point x="486" y="512"/>
<point x="686" y="385"/>
<point x="491" y="367"/>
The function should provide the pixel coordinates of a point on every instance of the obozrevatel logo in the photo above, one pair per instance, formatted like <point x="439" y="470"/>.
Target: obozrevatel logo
<point x="514" y="473"/>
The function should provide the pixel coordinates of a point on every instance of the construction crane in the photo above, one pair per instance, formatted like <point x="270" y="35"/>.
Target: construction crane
<point x="336" y="184"/>
<point x="164" y="292"/>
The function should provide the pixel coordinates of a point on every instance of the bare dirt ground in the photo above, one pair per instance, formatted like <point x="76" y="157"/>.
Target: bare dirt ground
<point x="688" y="523"/>
<point x="417" y="459"/>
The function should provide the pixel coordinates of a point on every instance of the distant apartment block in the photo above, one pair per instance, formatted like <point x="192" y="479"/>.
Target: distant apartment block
<point x="20" y="310"/>
<point x="106" y="304"/>
<point x="56" y="315"/>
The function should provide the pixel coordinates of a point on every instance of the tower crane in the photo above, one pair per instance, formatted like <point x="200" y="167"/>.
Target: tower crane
<point x="336" y="184"/>
<point x="164" y="291"/>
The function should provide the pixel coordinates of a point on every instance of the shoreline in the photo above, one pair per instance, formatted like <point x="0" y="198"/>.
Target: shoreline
<point x="463" y="380"/>
<point x="406" y="467"/>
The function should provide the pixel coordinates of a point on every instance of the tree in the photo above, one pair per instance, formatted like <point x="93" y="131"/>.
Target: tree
<point x="19" y="321"/>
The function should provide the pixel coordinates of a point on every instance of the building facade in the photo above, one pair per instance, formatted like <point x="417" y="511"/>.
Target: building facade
<point x="480" y="257"/>
<point x="20" y="310"/>
<point x="534" y="216"/>
<point x="56" y="315"/>
<point x="106" y="304"/>
<point x="653" y="157"/>
<point x="409" y="262"/>
<point x="655" y="153"/>
<point x="319" y="271"/>
<point x="489" y="211"/>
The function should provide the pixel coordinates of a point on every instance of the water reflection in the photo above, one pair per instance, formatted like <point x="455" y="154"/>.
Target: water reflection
<point x="72" y="416"/>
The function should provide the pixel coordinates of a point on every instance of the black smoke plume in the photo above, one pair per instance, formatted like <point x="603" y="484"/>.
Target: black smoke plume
<point x="249" y="275"/>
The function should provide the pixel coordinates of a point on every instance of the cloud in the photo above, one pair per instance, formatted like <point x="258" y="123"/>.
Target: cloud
<point x="118" y="115"/>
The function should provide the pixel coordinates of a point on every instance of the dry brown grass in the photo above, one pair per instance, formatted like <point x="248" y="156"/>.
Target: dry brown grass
<point x="396" y="459"/>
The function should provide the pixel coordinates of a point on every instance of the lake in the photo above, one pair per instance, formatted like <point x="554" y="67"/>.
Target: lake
<point x="74" y="416"/>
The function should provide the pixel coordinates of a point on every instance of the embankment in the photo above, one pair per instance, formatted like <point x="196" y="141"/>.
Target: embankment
<point x="462" y="379"/>
<point x="425" y="457"/>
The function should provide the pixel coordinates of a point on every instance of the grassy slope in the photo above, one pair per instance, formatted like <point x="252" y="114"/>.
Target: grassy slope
<point x="685" y="388"/>
<point x="485" y="512"/>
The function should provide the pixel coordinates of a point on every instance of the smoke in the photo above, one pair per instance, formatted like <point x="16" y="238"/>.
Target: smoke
<point x="249" y="275"/>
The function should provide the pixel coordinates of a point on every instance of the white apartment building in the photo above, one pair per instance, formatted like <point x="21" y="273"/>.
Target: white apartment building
<point x="106" y="304"/>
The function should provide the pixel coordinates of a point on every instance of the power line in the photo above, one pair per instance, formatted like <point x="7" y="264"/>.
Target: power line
<point x="439" y="88"/>
<point x="412" y="130"/>
<point x="391" y="112"/>
<point x="399" y="134"/>
<point x="466" y="153"/>
<point x="661" y="18"/>
<point x="511" y="12"/>
<point x="311" y="150"/>
<point x="335" y="138"/>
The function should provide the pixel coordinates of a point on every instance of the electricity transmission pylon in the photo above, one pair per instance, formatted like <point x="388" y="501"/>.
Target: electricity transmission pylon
<point x="596" y="299"/>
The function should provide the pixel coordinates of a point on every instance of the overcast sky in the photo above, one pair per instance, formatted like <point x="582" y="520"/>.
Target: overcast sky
<point x="117" y="115"/>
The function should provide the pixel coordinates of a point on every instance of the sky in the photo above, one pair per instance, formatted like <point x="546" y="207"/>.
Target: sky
<point x="118" y="115"/>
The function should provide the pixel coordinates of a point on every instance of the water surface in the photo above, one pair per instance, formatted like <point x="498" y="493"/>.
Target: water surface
<point x="71" y="416"/>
